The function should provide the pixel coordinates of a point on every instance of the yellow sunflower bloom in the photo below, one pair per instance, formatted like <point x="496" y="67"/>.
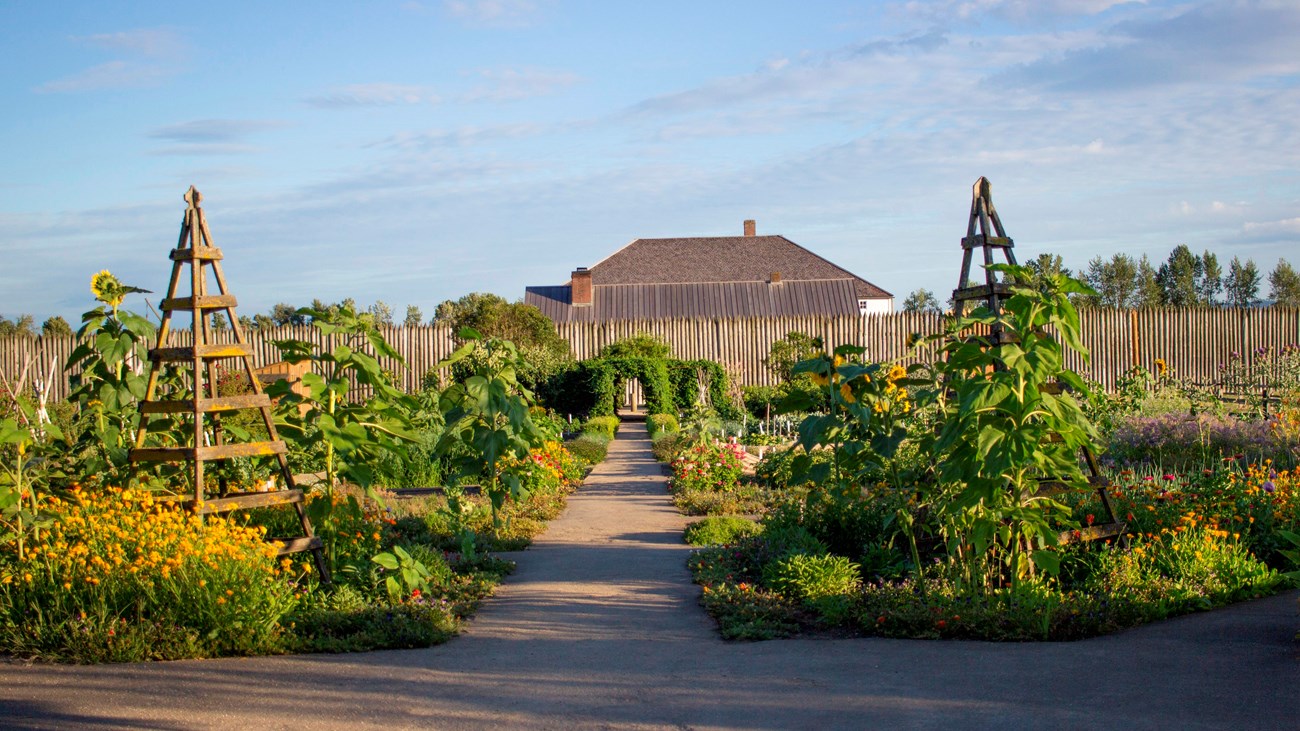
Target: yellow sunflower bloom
<point x="847" y="393"/>
<point x="107" y="288"/>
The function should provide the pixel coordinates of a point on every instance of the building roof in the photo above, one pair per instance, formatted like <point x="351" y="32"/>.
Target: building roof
<point x="699" y="300"/>
<point x="721" y="259"/>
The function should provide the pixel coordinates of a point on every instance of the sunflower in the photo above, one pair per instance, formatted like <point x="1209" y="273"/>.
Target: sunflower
<point x="846" y="393"/>
<point x="106" y="288"/>
<point x="1161" y="367"/>
<point x="109" y="290"/>
<point x="897" y="372"/>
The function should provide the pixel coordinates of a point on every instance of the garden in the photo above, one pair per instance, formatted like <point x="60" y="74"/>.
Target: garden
<point x="954" y="498"/>
<point x="412" y="497"/>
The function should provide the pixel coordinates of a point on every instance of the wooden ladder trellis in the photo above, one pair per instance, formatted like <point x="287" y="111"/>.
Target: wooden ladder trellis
<point x="984" y="231"/>
<point x="196" y="251"/>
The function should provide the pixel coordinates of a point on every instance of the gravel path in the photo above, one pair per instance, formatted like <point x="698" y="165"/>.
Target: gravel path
<point x="600" y="628"/>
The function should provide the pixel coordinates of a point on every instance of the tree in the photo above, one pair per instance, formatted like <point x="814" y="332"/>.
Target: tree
<point x="1211" y="279"/>
<point x="246" y="323"/>
<point x="1149" y="292"/>
<point x="414" y="318"/>
<point x="219" y="321"/>
<point x="1284" y="285"/>
<point x="1179" y="278"/>
<point x="262" y="322"/>
<point x="287" y="314"/>
<point x="791" y="349"/>
<point x="24" y="326"/>
<point x="542" y="349"/>
<point x="1241" y="286"/>
<point x="922" y="300"/>
<point x="1116" y="282"/>
<point x="56" y="326"/>
<point x="382" y="313"/>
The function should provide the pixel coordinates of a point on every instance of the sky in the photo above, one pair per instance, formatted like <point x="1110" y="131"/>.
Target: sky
<point x="413" y="152"/>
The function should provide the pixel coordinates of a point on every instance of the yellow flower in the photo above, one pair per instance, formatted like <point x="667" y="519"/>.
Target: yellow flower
<point x="820" y="379"/>
<point x="105" y="286"/>
<point x="847" y="393"/>
<point x="1161" y="366"/>
<point x="897" y="372"/>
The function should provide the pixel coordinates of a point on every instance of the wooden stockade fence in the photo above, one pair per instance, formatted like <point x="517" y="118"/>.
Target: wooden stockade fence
<point x="1194" y="342"/>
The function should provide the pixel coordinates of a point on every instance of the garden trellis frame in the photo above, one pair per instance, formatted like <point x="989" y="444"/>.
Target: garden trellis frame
<point x="196" y="251"/>
<point x="984" y="231"/>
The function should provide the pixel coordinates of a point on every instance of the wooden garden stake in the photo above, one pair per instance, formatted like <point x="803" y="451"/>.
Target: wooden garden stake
<point x="196" y="251"/>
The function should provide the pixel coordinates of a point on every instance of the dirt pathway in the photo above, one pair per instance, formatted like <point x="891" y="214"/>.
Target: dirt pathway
<point x="600" y="628"/>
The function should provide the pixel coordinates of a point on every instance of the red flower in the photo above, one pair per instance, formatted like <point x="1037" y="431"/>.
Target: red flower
<point x="941" y="624"/>
<point x="1090" y="518"/>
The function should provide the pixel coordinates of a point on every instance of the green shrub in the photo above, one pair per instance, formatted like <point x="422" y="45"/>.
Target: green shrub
<point x="784" y="540"/>
<point x="658" y="424"/>
<point x="807" y="577"/>
<point x="719" y="530"/>
<point x="607" y="425"/>
<point x="589" y="447"/>
<point x="343" y="621"/>
<point x="667" y="447"/>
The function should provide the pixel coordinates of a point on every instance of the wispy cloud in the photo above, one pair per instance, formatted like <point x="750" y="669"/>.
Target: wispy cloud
<point x="512" y="84"/>
<point x="461" y="137"/>
<point x="147" y="57"/>
<point x="1247" y="40"/>
<point x="211" y="136"/>
<point x="493" y="13"/>
<point x="213" y="130"/>
<point x="1024" y="11"/>
<point x="379" y="94"/>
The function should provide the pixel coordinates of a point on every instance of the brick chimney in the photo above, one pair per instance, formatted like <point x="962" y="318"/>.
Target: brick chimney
<point x="580" y="287"/>
<point x="775" y="278"/>
<point x="749" y="227"/>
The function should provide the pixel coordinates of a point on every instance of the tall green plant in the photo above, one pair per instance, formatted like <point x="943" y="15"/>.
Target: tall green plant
<point x="355" y="432"/>
<point x="487" y="416"/>
<point x="108" y="379"/>
<point x="20" y="495"/>
<point x="1006" y="424"/>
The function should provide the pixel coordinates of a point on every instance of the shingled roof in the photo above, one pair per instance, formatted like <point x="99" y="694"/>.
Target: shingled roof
<point x="715" y="276"/>
<point x="721" y="259"/>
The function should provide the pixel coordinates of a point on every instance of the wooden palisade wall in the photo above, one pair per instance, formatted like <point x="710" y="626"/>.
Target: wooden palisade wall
<point x="1194" y="342"/>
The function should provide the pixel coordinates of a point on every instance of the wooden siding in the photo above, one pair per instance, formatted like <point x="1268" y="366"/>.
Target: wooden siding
<point x="1194" y="342"/>
<point x="727" y="300"/>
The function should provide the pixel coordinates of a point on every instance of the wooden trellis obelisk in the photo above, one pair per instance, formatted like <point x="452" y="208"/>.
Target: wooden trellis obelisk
<point x="984" y="231"/>
<point x="204" y="405"/>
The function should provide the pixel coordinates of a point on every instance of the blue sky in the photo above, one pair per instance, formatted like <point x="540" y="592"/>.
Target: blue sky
<point x="413" y="152"/>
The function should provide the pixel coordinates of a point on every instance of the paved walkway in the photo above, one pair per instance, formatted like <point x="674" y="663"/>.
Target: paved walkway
<point x="600" y="628"/>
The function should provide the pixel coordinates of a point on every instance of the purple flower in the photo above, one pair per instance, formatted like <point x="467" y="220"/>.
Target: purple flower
<point x="1269" y="486"/>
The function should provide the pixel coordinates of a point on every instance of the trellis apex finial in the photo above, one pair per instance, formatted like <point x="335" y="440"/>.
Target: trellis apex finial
<point x="982" y="189"/>
<point x="192" y="196"/>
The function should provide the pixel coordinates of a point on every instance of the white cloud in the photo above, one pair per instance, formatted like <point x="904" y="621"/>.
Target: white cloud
<point x="152" y="56"/>
<point x="466" y="136"/>
<point x="1289" y="226"/>
<point x="378" y="94"/>
<point x="1015" y="10"/>
<point x="109" y="75"/>
<point x="213" y="130"/>
<point x="493" y="13"/>
<point x="153" y="42"/>
<point x="513" y="84"/>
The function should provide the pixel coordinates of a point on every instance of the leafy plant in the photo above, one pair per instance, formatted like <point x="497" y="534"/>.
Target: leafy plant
<point x="1006" y="424"/>
<point x="405" y="575"/>
<point x="488" y="419"/>
<point x="717" y="530"/>
<point x="107" y="381"/>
